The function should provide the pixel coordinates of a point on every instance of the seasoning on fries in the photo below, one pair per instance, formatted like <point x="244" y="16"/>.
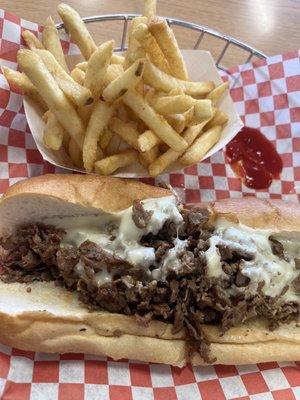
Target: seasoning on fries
<point x="115" y="110"/>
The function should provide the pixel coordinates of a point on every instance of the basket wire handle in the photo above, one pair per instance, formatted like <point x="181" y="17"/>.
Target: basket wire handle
<point x="203" y="30"/>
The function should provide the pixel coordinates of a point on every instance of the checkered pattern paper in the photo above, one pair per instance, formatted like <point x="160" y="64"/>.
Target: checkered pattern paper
<point x="267" y="96"/>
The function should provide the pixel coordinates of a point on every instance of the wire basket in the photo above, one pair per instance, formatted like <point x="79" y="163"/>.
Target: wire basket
<point x="201" y="29"/>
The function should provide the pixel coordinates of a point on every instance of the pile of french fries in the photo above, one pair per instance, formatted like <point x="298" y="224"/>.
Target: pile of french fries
<point x="112" y="110"/>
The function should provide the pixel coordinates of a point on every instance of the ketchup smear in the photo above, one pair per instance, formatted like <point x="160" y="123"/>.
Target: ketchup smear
<point x="254" y="158"/>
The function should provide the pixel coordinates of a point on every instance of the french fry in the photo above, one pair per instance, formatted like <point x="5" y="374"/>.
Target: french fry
<point x="112" y="73"/>
<point x="174" y="104"/>
<point x="147" y="140"/>
<point x="175" y="92"/>
<point x="149" y="9"/>
<point x="159" y="80"/>
<point x="97" y="68"/>
<point x="133" y="44"/>
<point x="75" y="153"/>
<point x="220" y="118"/>
<point x="82" y="65"/>
<point x="78" y="75"/>
<point x="110" y="164"/>
<point x="53" y="132"/>
<point x="167" y="42"/>
<point x="78" y="94"/>
<point x="188" y="116"/>
<point x="153" y="51"/>
<point x="154" y="121"/>
<point x="52" y="43"/>
<point x="216" y="94"/>
<point x="177" y="121"/>
<point x="51" y="93"/>
<point x="201" y="146"/>
<point x="170" y="156"/>
<point x="20" y="80"/>
<point x="32" y="42"/>
<point x="149" y="156"/>
<point x="125" y="131"/>
<point x="105" y="138"/>
<point x="203" y="110"/>
<point x="129" y="79"/>
<point x="100" y="117"/>
<point x="77" y="29"/>
<point x="117" y="59"/>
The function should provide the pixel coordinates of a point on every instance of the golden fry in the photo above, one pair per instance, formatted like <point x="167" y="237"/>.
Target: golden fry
<point x="175" y="92"/>
<point x="125" y="131"/>
<point x="20" y="80"/>
<point x="220" y="118"/>
<point x="32" y="42"/>
<point x="153" y="51"/>
<point x="159" y="80"/>
<point x="77" y="29"/>
<point x="112" y="73"/>
<point x="129" y="79"/>
<point x="105" y="138"/>
<point x="149" y="156"/>
<point x="117" y="59"/>
<point x="53" y="132"/>
<point x="100" y="117"/>
<point x="147" y="140"/>
<point x="110" y="164"/>
<point x="188" y="116"/>
<point x="97" y="68"/>
<point x="82" y="65"/>
<point x="170" y="156"/>
<point x="52" y="43"/>
<point x="149" y="9"/>
<point x="167" y="42"/>
<point x="177" y="121"/>
<point x="78" y="94"/>
<point x="51" y="93"/>
<point x="201" y="146"/>
<point x="174" y="104"/>
<point x="78" y="75"/>
<point x="154" y="121"/>
<point x="133" y="44"/>
<point x="216" y="94"/>
<point x="203" y="110"/>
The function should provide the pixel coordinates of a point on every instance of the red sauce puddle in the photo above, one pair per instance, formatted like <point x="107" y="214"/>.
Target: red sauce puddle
<point x="254" y="158"/>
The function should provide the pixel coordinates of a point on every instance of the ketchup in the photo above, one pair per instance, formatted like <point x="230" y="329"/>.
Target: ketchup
<point x="254" y="158"/>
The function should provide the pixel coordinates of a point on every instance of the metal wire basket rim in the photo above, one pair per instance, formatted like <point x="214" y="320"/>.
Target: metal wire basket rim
<point x="201" y="28"/>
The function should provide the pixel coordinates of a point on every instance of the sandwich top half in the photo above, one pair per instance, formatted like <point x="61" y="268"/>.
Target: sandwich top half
<point x="219" y="264"/>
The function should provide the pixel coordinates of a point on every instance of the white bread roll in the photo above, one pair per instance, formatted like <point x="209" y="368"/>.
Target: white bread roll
<point x="51" y="319"/>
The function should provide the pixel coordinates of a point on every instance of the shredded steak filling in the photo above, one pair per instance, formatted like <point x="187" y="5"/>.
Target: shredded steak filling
<point x="187" y="298"/>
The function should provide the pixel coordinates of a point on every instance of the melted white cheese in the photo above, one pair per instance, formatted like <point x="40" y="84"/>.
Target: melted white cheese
<point x="265" y="267"/>
<point x="171" y="261"/>
<point x="126" y="235"/>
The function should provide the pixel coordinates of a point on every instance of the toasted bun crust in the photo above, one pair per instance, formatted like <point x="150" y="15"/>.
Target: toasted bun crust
<point x="51" y="319"/>
<point x="65" y="195"/>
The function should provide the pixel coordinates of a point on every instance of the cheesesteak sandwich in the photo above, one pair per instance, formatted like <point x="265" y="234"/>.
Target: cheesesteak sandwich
<point x="118" y="268"/>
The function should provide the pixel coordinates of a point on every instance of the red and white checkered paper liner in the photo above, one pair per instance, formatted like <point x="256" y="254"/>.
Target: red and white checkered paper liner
<point x="267" y="96"/>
